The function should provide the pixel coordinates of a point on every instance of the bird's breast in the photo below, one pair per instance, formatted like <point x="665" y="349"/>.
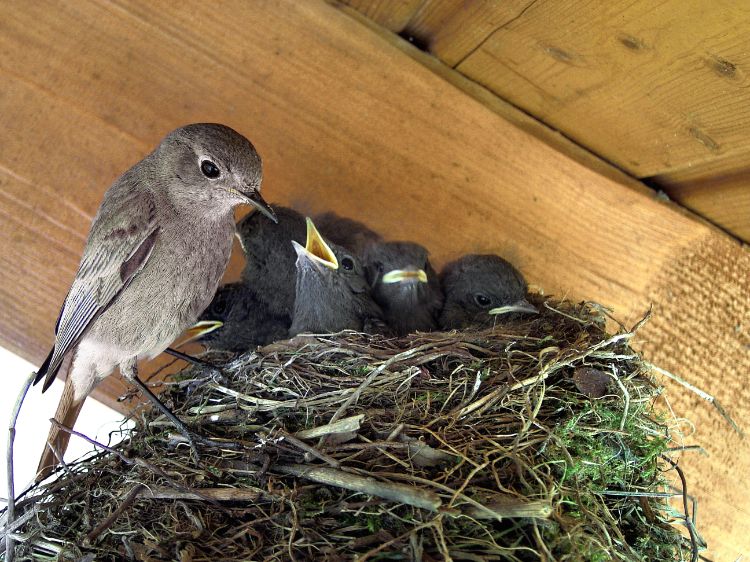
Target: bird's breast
<point x="175" y="285"/>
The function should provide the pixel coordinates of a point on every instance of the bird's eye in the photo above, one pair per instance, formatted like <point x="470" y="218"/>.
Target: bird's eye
<point x="347" y="264"/>
<point x="482" y="300"/>
<point x="210" y="170"/>
<point x="379" y="266"/>
<point x="219" y="307"/>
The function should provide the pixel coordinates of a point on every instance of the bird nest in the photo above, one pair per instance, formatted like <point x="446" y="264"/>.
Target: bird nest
<point x="535" y="440"/>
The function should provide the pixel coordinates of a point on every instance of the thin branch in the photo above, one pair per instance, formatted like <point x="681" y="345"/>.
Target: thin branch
<point x="9" y="539"/>
<point x="688" y="520"/>
<point x="702" y="393"/>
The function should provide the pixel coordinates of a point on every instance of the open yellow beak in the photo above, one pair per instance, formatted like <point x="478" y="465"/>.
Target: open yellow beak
<point x="316" y="248"/>
<point x="402" y="275"/>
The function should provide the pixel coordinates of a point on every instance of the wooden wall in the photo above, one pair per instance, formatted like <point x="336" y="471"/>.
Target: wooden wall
<point x="355" y="120"/>
<point x="658" y="88"/>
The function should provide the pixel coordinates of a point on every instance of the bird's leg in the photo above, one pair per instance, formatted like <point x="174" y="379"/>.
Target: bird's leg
<point x="130" y="372"/>
<point x="190" y="359"/>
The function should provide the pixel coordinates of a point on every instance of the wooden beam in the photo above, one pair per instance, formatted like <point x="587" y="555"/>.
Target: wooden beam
<point x="718" y="190"/>
<point x="723" y="199"/>
<point x="452" y="29"/>
<point x="391" y="14"/>
<point x="650" y="86"/>
<point x="345" y="120"/>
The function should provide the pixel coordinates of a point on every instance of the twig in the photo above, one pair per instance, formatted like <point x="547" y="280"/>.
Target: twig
<point x="309" y="449"/>
<point x="345" y="425"/>
<point x="688" y="520"/>
<point x="9" y="539"/>
<point x="701" y="393"/>
<point x="371" y="553"/>
<point x="127" y="460"/>
<point x="626" y="398"/>
<point x="217" y="494"/>
<point x="365" y="383"/>
<point x="109" y="521"/>
<point x="387" y="490"/>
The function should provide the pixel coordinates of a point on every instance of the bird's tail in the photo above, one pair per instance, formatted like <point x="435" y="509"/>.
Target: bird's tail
<point x="57" y="440"/>
<point x="42" y="371"/>
<point x="49" y="369"/>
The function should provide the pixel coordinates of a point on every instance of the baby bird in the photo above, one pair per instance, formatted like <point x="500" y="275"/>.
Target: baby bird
<point x="405" y="285"/>
<point x="477" y="288"/>
<point x="270" y="269"/>
<point x="332" y="293"/>
<point x="244" y="320"/>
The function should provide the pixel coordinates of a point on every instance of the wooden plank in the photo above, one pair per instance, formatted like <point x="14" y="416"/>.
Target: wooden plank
<point x="723" y="199"/>
<point x="346" y="121"/>
<point x="503" y="109"/>
<point x="650" y="86"/>
<point x="718" y="190"/>
<point x="391" y="14"/>
<point x="452" y="29"/>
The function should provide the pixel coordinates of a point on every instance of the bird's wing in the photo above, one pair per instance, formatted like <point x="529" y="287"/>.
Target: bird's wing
<point x="122" y="237"/>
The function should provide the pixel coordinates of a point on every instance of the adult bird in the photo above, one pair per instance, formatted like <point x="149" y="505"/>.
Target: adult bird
<point x="154" y="256"/>
<point x="480" y="287"/>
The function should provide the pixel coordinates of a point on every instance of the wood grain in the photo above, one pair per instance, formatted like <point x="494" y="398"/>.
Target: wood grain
<point x="453" y="29"/>
<point x="650" y="86"/>
<point x="561" y="72"/>
<point x="718" y="190"/>
<point x="723" y="199"/>
<point x="391" y="14"/>
<point x="345" y="120"/>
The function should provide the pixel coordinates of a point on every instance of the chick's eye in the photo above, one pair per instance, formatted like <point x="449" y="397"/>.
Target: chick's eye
<point x="482" y="300"/>
<point x="347" y="264"/>
<point x="219" y="307"/>
<point x="210" y="170"/>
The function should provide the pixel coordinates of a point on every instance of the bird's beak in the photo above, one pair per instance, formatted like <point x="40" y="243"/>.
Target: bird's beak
<point x="253" y="198"/>
<point x="405" y="275"/>
<point x="523" y="306"/>
<point x="200" y="329"/>
<point x="316" y="249"/>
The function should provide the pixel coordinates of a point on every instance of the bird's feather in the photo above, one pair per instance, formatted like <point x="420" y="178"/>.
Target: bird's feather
<point x="119" y="244"/>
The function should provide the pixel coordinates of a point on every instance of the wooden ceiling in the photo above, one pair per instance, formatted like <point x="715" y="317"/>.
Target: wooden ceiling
<point x="353" y="119"/>
<point x="659" y="89"/>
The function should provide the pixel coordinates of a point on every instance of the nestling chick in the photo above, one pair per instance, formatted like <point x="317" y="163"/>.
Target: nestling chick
<point x="245" y="319"/>
<point x="332" y="293"/>
<point x="270" y="269"/>
<point x="405" y="285"/>
<point x="478" y="288"/>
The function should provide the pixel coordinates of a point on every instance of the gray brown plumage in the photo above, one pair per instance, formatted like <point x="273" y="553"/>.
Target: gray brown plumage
<point x="155" y="253"/>
<point x="478" y="288"/>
